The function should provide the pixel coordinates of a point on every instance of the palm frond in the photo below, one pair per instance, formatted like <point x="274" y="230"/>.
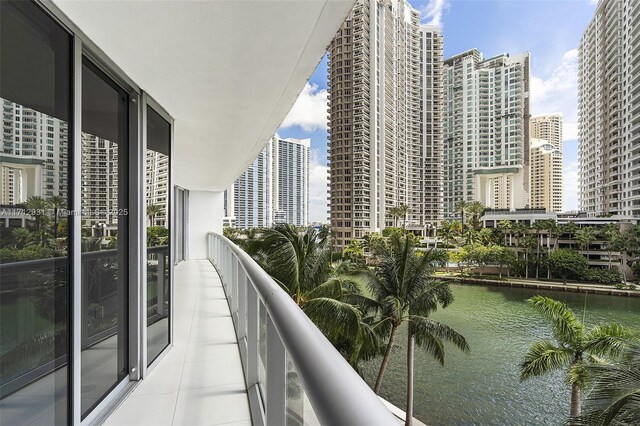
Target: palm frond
<point x="425" y="329"/>
<point x="544" y="357"/>
<point x="564" y="324"/>
<point x="336" y="319"/>
<point x="607" y="340"/>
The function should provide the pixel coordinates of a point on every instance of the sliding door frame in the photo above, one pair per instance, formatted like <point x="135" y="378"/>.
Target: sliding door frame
<point x="137" y="309"/>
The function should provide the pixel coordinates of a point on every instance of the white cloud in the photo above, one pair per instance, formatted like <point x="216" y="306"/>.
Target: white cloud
<point x="433" y="11"/>
<point x="318" y="175"/>
<point x="559" y="93"/>
<point x="310" y="110"/>
<point x="570" y="186"/>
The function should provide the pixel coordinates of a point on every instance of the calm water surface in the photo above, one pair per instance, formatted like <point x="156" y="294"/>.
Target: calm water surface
<point x="482" y="388"/>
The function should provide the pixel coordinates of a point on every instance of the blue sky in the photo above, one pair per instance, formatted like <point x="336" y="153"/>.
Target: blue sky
<point x="549" y="30"/>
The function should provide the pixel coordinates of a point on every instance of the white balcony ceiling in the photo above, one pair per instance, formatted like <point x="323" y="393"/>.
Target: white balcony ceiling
<point x="228" y="72"/>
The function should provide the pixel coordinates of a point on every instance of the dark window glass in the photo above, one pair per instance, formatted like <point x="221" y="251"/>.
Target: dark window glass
<point x="104" y="167"/>
<point x="35" y="64"/>
<point x="158" y="263"/>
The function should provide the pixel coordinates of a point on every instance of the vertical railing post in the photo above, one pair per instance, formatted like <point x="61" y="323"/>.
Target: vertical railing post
<point x="252" y="336"/>
<point x="276" y="377"/>
<point x="234" y="289"/>
<point x="242" y="304"/>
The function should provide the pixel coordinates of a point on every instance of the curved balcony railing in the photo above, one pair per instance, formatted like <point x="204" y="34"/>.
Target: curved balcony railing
<point x="294" y="375"/>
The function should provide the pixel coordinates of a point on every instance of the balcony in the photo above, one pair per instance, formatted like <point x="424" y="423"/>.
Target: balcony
<point x="245" y="353"/>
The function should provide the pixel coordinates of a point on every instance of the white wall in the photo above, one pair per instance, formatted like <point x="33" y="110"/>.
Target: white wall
<point x="206" y="211"/>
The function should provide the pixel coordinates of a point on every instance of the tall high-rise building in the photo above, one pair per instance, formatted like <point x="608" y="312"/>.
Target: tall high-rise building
<point x="274" y="189"/>
<point x="546" y="176"/>
<point x="486" y="130"/>
<point x="157" y="180"/>
<point x="545" y="163"/>
<point x="99" y="182"/>
<point x="385" y="86"/>
<point x="608" y="113"/>
<point x="33" y="162"/>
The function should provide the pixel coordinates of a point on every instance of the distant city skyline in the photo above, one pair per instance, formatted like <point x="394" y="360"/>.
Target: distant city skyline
<point x="493" y="27"/>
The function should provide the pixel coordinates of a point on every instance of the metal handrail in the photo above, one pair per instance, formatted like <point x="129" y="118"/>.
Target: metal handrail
<point x="336" y="392"/>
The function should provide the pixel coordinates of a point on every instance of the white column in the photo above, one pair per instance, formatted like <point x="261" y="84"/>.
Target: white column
<point x="205" y="215"/>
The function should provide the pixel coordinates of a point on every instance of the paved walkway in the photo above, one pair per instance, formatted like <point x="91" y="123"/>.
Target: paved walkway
<point x="200" y="381"/>
<point x="530" y="283"/>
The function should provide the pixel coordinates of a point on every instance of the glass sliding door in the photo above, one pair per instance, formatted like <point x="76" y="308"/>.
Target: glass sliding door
<point x="158" y="232"/>
<point x="104" y="169"/>
<point x="35" y="93"/>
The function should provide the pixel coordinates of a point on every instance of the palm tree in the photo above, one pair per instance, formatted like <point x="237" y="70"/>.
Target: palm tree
<point x="574" y="347"/>
<point x="395" y="214"/>
<point x="20" y="237"/>
<point x="154" y="210"/>
<point x="529" y="242"/>
<point x="586" y="236"/>
<point x="569" y="228"/>
<point x="449" y="231"/>
<point x="505" y="227"/>
<point x="611" y="234"/>
<point x="404" y="210"/>
<point x="476" y="209"/>
<point x="539" y="226"/>
<point x="461" y="207"/>
<point x="407" y="293"/>
<point x="56" y="202"/>
<point x="614" y="397"/>
<point x="299" y="262"/>
<point x="38" y="208"/>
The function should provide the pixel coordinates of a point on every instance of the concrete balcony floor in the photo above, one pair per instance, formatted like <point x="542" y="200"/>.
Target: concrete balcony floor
<point x="200" y="381"/>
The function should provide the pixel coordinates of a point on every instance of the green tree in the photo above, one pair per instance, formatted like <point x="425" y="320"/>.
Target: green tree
<point x="568" y="263"/>
<point x="573" y="348"/>
<point x="354" y="253"/>
<point x="505" y="227"/>
<point x="20" y="237"/>
<point x="407" y="294"/>
<point x="38" y="208"/>
<point x="480" y="255"/>
<point x="569" y="228"/>
<point x="153" y="211"/>
<point x="395" y="214"/>
<point x="614" y="395"/>
<point x="501" y="256"/>
<point x="612" y="237"/>
<point x="475" y="209"/>
<point x="57" y="203"/>
<point x="299" y="262"/>
<point x="404" y="211"/>
<point x="530" y="243"/>
<point x="461" y="207"/>
<point x="449" y="231"/>
<point x="586" y="236"/>
<point x="459" y="256"/>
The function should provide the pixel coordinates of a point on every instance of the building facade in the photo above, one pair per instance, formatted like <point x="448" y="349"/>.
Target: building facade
<point x="546" y="161"/>
<point x="33" y="161"/>
<point x="486" y="130"/>
<point x="608" y="112"/>
<point x="385" y="90"/>
<point x="274" y="189"/>
<point x="546" y="176"/>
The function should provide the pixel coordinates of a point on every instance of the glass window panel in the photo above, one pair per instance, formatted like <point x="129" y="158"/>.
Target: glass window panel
<point x="35" y="77"/>
<point x="104" y="169"/>
<point x="158" y="264"/>
<point x="36" y="64"/>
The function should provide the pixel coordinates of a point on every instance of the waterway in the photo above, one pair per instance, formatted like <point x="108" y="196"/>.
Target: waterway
<point x="482" y="387"/>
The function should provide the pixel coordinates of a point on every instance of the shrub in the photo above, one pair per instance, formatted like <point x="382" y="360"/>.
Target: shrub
<point x="568" y="264"/>
<point x="604" y="276"/>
